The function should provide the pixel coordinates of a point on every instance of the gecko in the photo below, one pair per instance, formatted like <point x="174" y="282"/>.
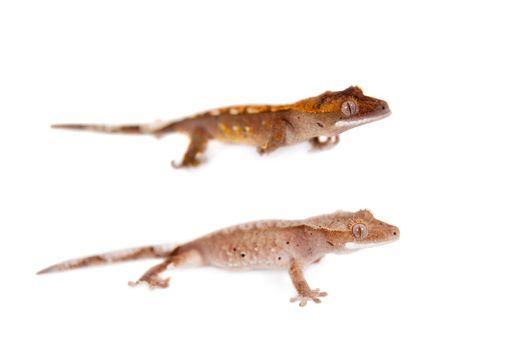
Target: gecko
<point x="289" y="245"/>
<point x="318" y="119"/>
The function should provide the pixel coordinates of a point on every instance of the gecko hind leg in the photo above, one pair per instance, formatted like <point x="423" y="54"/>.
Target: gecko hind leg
<point x="152" y="276"/>
<point x="198" y="144"/>
<point x="318" y="144"/>
<point x="303" y="289"/>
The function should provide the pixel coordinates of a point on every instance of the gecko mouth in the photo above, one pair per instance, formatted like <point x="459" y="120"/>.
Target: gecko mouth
<point x="369" y="118"/>
<point x="355" y="245"/>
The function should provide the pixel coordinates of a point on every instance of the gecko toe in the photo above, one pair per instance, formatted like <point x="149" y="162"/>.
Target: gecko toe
<point x="157" y="282"/>
<point x="318" y="293"/>
<point x="133" y="283"/>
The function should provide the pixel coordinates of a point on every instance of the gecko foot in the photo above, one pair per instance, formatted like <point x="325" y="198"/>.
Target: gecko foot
<point x="313" y="295"/>
<point x="186" y="164"/>
<point x="319" y="144"/>
<point x="153" y="282"/>
<point x="262" y="150"/>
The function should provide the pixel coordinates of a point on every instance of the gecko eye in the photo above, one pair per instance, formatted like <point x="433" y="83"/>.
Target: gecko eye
<point x="360" y="231"/>
<point x="349" y="108"/>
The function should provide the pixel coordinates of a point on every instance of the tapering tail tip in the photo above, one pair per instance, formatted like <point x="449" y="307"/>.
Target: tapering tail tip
<point x="52" y="268"/>
<point x="91" y="127"/>
<point x="62" y="126"/>
<point x="147" y="252"/>
<point x="108" y="129"/>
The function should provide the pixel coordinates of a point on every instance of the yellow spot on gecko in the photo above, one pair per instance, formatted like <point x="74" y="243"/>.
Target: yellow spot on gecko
<point x="237" y="130"/>
<point x="234" y="111"/>
<point x="253" y="109"/>
<point x="248" y="130"/>
<point x="224" y="129"/>
<point x="215" y="112"/>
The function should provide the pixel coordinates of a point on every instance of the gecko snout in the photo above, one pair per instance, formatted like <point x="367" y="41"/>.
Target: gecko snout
<point x="383" y="107"/>
<point x="395" y="233"/>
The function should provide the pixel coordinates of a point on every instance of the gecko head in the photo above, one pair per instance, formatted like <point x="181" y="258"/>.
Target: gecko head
<point x="361" y="230"/>
<point x="343" y="110"/>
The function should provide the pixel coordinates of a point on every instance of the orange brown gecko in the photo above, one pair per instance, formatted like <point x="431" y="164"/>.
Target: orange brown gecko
<point x="318" y="120"/>
<point x="269" y="244"/>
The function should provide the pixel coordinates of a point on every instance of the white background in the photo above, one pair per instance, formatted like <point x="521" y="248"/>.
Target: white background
<point x="446" y="167"/>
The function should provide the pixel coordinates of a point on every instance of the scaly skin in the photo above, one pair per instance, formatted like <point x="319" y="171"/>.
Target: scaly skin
<point x="272" y="244"/>
<point x="267" y="127"/>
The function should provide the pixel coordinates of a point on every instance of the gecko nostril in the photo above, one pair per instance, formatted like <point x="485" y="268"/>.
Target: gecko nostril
<point x="394" y="233"/>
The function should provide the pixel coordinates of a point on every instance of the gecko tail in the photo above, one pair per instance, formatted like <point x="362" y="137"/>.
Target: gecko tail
<point x="108" y="129"/>
<point x="156" y="128"/>
<point x="148" y="252"/>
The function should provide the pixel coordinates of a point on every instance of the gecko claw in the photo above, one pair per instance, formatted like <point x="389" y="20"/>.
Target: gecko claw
<point x="313" y="295"/>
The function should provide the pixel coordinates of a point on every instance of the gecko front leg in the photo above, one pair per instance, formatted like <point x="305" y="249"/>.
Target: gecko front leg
<point x="330" y="142"/>
<point x="276" y="137"/>
<point x="302" y="287"/>
<point x="152" y="276"/>
<point x="198" y="144"/>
